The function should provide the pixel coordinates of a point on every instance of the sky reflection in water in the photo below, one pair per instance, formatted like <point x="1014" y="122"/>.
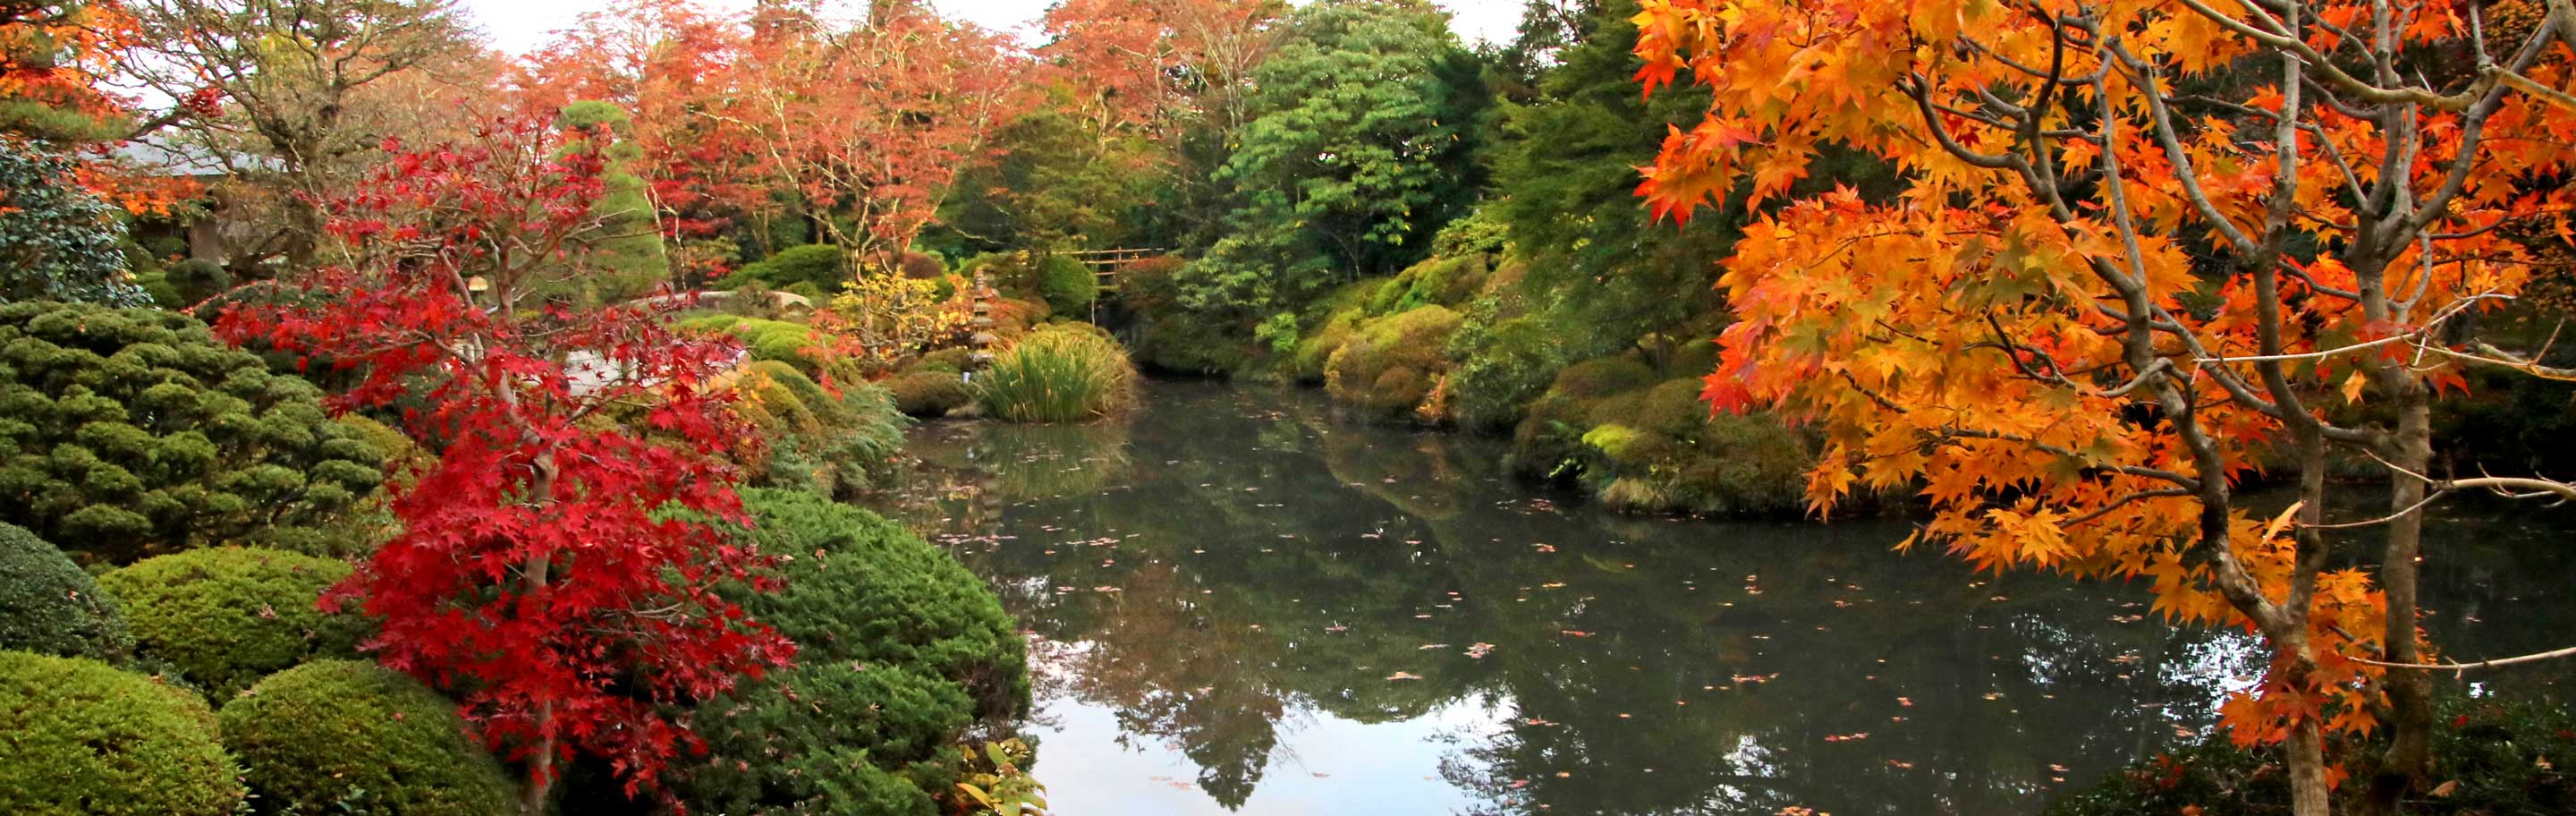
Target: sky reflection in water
<point x="1241" y="604"/>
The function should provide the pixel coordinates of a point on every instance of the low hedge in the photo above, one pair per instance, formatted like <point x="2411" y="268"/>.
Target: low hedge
<point x="84" y="738"/>
<point x="349" y="736"/>
<point x="228" y="616"/>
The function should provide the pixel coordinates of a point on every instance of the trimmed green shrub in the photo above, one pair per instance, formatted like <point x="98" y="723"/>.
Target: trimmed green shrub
<point x="349" y="736"/>
<point x="821" y="265"/>
<point x="1060" y="373"/>
<point x="903" y="653"/>
<point x="58" y="240"/>
<point x="49" y="606"/>
<point x="85" y="739"/>
<point x="929" y="394"/>
<point x="130" y="433"/>
<point x="1608" y="376"/>
<point x="955" y="359"/>
<point x="627" y="258"/>
<point x="1067" y="285"/>
<point x="196" y="279"/>
<point x="228" y="616"/>
<point x="1395" y="365"/>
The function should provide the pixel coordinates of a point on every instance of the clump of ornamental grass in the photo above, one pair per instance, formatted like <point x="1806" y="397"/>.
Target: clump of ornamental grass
<point x="1059" y="374"/>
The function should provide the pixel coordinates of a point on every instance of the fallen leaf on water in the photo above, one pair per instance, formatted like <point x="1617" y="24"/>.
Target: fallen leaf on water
<point x="2446" y="788"/>
<point x="1573" y="633"/>
<point x="1430" y="646"/>
<point x="1404" y="676"/>
<point x="1545" y="548"/>
<point x="1900" y="765"/>
<point x="1852" y="737"/>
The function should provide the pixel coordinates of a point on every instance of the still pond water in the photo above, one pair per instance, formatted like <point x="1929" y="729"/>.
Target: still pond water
<point x="1238" y="603"/>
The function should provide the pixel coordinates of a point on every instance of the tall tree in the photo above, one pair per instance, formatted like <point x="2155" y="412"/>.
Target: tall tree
<point x="309" y="89"/>
<point x="556" y="572"/>
<point x="868" y="126"/>
<point x="1357" y="150"/>
<point x="2147" y="247"/>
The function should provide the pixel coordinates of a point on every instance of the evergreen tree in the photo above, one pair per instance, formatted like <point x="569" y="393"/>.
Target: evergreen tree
<point x="1359" y="149"/>
<point x="628" y="253"/>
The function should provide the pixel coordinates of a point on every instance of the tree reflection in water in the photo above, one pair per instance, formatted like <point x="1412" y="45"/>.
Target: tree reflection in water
<point x="1233" y="570"/>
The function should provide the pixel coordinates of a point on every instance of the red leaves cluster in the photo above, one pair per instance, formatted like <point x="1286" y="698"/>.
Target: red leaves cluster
<point x="557" y="566"/>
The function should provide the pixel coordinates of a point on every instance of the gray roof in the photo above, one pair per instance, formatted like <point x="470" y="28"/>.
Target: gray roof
<point x="179" y="160"/>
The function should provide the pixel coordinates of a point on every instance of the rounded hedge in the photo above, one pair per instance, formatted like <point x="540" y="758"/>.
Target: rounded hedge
<point x="49" y="606"/>
<point x="230" y="615"/>
<point x="901" y="651"/>
<point x="346" y="734"/>
<point x="1067" y="285"/>
<point x="127" y="433"/>
<point x="85" y="738"/>
<point x="821" y="265"/>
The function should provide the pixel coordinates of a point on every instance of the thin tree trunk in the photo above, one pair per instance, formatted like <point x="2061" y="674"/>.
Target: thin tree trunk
<point x="540" y="569"/>
<point x="2410" y="691"/>
<point x="2309" y="794"/>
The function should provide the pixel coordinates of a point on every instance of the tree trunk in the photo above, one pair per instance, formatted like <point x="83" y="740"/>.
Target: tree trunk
<point x="2410" y="691"/>
<point x="540" y="575"/>
<point x="2309" y="794"/>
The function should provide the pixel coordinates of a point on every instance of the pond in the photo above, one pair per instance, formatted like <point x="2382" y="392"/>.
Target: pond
<point x="1238" y="603"/>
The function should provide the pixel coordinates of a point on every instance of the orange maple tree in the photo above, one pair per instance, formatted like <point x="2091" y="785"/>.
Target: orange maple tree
<point x="2148" y="250"/>
<point x="54" y="58"/>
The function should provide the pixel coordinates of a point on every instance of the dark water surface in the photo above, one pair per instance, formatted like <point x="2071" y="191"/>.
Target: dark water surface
<point x="1240" y="604"/>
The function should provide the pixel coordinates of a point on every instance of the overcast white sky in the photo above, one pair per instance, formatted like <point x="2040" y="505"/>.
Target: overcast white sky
<point x="517" y="26"/>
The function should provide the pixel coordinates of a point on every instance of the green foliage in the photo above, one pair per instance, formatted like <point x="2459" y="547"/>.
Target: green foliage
<point x="833" y="442"/>
<point x="1501" y="368"/>
<point x="1446" y="280"/>
<point x="129" y="433"/>
<point x="1395" y="364"/>
<point x="1356" y="152"/>
<point x="902" y="652"/>
<point x="349" y="736"/>
<point x="2490" y="758"/>
<point x="822" y="265"/>
<point x="1058" y="181"/>
<point x="929" y="394"/>
<point x="1567" y="168"/>
<point x="1067" y="285"/>
<point x="197" y="279"/>
<point x="1059" y="374"/>
<point x="57" y="240"/>
<point x="85" y="739"/>
<point x="49" y="606"/>
<point x="628" y="258"/>
<point x="1646" y="445"/>
<point x="228" y="616"/>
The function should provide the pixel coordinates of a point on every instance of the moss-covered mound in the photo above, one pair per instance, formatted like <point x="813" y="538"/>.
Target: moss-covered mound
<point x="904" y="654"/>
<point x="929" y="394"/>
<point x="1395" y="365"/>
<point x="230" y="615"/>
<point x="49" y="606"/>
<point x="349" y="736"/>
<point x="84" y="739"/>
<point x="130" y="433"/>
<point x="831" y="441"/>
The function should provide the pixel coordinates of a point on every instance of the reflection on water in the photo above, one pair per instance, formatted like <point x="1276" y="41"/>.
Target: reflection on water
<point x="1240" y="604"/>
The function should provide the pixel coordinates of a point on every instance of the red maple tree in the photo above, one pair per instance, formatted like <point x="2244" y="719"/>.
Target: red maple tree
<point x="557" y="566"/>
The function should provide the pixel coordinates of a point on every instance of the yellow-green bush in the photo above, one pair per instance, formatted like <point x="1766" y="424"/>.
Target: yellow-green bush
<point x="1395" y="364"/>
<point x="349" y="736"/>
<point x="227" y="616"/>
<point x="84" y="739"/>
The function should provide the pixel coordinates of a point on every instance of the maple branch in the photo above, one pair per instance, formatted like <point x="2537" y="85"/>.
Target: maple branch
<point x="2043" y="447"/>
<point x="2166" y="493"/>
<point x="2419" y="332"/>
<point x="2483" y="664"/>
<point x="2325" y="65"/>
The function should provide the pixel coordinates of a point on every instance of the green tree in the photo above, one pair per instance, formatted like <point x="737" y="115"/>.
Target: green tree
<point x="1566" y="173"/>
<point x="57" y="240"/>
<point x="1359" y="149"/>
<point x="628" y="256"/>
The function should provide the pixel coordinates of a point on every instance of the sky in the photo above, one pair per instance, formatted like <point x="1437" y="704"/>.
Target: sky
<point x="519" y="26"/>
